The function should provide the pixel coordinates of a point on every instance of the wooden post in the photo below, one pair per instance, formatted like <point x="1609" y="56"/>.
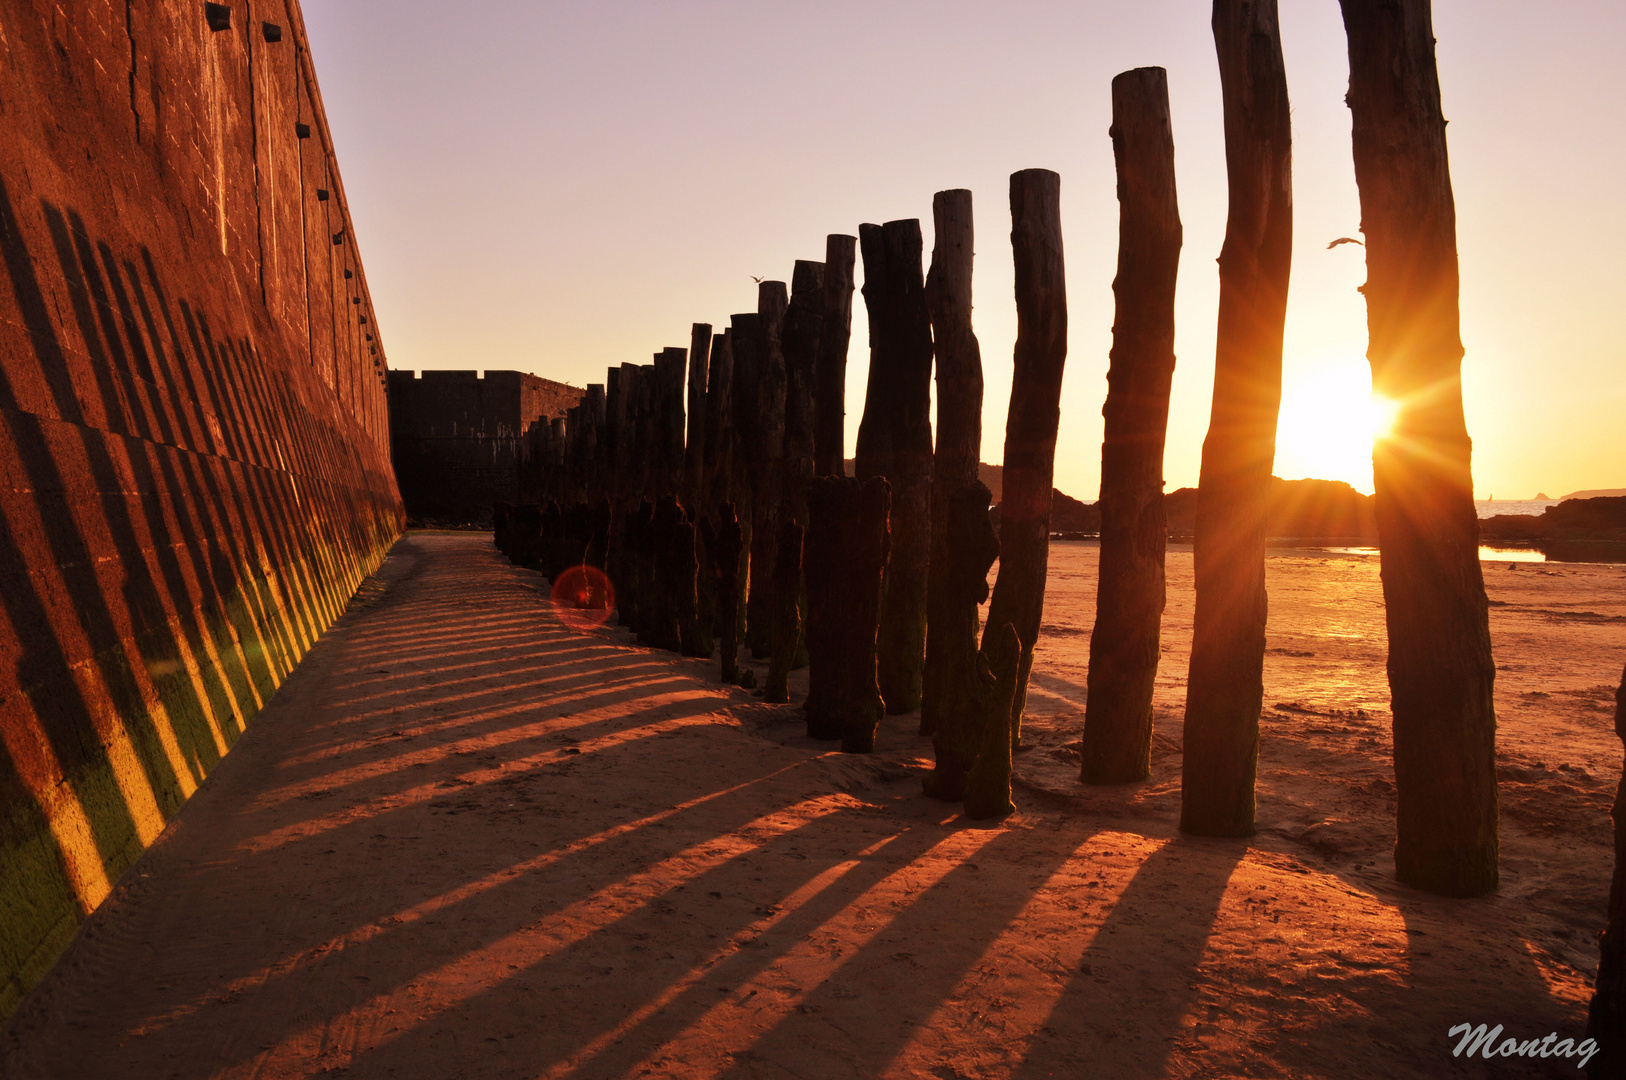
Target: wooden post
<point x="1440" y="668"/>
<point x="895" y="441"/>
<point x="728" y="548"/>
<point x="1124" y="645"/>
<point x="500" y="519"/>
<point x="844" y="557"/>
<point x="866" y="545"/>
<point x="714" y="475"/>
<point x="594" y="406"/>
<point x="719" y="421"/>
<point x="766" y="467"/>
<point x="1606" y="1015"/>
<point x="1030" y="426"/>
<point x="560" y="431"/>
<point x="671" y="563"/>
<point x="694" y="454"/>
<point x="830" y="370"/>
<point x="748" y="444"/>
<point x="829" y="508"/>
<point x="969" y="549"/>
<point x="667" y="467"/>
<point x="988" y="788"/>
<point x="804" y="325"/>
<point x="1225" y="689"/>
<point x="564" y="477"/>
<point x="626" y="425"/>
<point x="612" y="406"/>
<point x="955" y="463"/>
<point x="787" y="622"/>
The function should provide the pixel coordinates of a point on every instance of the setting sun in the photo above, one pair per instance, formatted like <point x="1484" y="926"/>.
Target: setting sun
<point x="1329" y="418"/>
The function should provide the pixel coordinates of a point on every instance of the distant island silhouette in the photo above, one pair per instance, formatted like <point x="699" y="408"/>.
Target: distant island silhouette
<point x="1585" y="525"/>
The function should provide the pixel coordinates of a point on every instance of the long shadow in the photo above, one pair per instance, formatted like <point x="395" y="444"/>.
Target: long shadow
<point x="406" y="951"/>
<point x="1446" y="978"/>
<point x="187" y="498"/>
<point x="144" y="601"/>
<point x="468" y="707"/>
<point x="64" y="715"/>
<point x="196" y="465"/>
<point x="473" y="672"/>
<point x="435" y="725"/>
<point x="1147" y="952"/>
<point x="383" y="785"/>
<point x="654" y="934"/>
<point x="1062" y="688"/>
<point x="960" y="915"/>
<point x="132" y="632"/>
<point x="452" y="673"/>
<point x="688" y="1007"/>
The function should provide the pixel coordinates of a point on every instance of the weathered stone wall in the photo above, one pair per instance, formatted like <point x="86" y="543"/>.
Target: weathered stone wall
<point x="456" y="438"/>
<point x="194" y="468"/>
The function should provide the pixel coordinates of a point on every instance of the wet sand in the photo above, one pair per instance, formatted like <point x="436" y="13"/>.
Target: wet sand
<point x="465" y="841"/>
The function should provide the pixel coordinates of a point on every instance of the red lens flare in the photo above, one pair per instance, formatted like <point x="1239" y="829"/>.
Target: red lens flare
<point x="583" y="597"/>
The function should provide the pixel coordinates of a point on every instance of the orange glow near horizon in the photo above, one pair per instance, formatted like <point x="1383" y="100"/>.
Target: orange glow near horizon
<point x="1328" y="422"/>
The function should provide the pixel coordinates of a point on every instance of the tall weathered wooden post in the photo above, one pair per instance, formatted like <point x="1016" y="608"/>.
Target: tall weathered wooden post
<point x="694" y="453"/>
<point x="830" y="369"/>
<point x="1039" y="359"/>
<point x="1124" y="645"/>
<point x="1440" y="668"/>
<point x="728" y="550"/>
<point x="594" y="408"/>
<point x="747" y="439"/>
<point x="1606" y="1015"/>
<point x="895" y="441"/>
<point x="787" y="622"/>
<point x="766" y="466"/>
<point x="1226" y="686"/>
<point x="988" y="786"/>
<point x="965" y="695"/>
<point x="719" y="437"/>
<point x="623" y="486"/>
<point x="845" y="555"/>
<point x="671" y="365"/>
<point x="804" y="326"/>
<point x="959" y="441"/>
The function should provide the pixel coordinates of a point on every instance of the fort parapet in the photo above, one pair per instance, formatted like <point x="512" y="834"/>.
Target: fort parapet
<point x="456" y="438"/>
<point x="194" y="466"/>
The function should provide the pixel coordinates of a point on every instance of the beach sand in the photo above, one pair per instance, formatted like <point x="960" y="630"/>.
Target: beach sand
<point x="466" y="841"/>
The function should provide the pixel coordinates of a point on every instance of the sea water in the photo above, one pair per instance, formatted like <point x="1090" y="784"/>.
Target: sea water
<point x="1491" y="507"/>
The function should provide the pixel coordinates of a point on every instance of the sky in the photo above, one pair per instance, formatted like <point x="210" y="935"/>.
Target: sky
<point x="562" y="187"/>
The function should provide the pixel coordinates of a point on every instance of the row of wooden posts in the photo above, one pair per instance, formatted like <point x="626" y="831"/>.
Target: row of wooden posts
<point x="734" y="446"/>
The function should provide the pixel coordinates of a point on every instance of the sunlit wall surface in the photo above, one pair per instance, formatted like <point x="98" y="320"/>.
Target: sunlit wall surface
<point x="194" y="469"/>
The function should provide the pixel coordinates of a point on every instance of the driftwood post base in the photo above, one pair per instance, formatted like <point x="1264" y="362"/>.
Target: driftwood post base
<point x="727" y="549"/>
<point x="845" y="556"/>
<point x="988" y="788"/>
<point x="868" y="544"/>
<point x="1606" y="1016"/>
<point x="829" y="505"/>
<point x="969" y="547"/>
<point x="683" y="571"/>
<point x="787" y="618"/>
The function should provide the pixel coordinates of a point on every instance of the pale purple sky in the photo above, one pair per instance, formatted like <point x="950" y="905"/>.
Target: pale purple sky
<point x="561" y="187"/>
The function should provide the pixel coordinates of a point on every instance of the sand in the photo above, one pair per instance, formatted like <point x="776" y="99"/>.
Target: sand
<point x="467" y="841"/>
